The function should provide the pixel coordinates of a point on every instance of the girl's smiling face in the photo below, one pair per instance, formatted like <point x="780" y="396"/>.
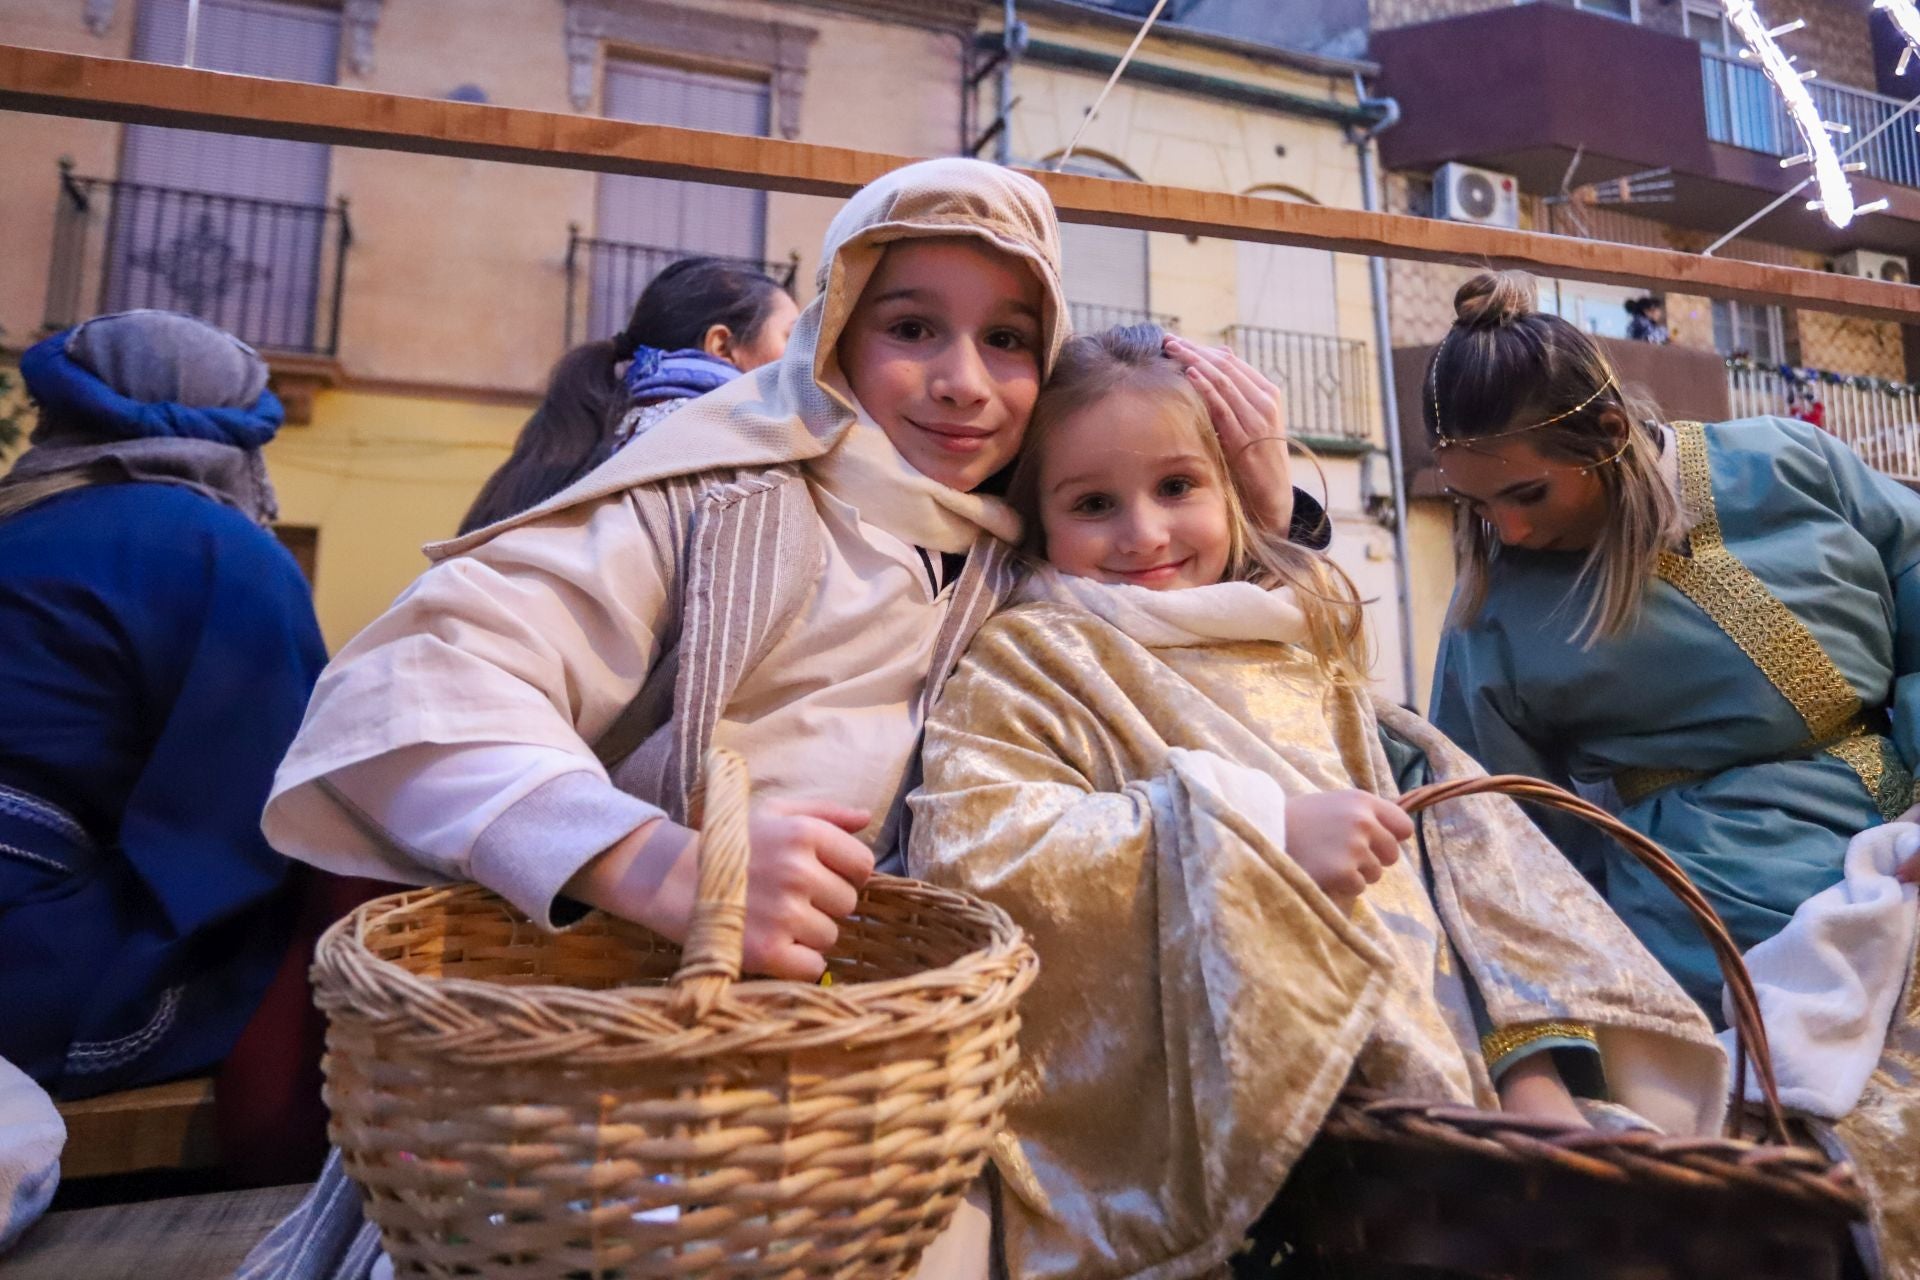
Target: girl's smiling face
<point x="1128" y="493"/>
<point x="943" y="350"/>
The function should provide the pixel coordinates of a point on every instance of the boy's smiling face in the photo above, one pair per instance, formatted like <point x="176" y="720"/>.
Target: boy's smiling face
<point x="943" y="350"/>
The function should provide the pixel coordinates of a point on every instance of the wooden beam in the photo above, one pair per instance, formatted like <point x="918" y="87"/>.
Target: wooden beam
<point x="163" y="1126"/>
<point x="149" y="93"/>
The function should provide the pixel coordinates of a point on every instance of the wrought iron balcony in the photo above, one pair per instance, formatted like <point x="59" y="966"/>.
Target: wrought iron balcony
<point x="1880" y="420"/>
<point x="1744" y="110"/>
<point x="606" y="277"/>
<point x="267" y="271"/>
<point x="1327" y="382"/>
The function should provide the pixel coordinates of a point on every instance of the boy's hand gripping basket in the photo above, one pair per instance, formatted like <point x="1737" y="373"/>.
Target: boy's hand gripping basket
<point x="1401" y="1188"/>
<point x="598" y="1104"/>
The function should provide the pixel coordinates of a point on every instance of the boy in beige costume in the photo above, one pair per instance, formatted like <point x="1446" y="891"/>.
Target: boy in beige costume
<point x="764" y="570"/>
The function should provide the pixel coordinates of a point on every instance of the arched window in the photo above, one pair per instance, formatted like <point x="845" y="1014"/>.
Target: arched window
<point x="1105" y="267"/>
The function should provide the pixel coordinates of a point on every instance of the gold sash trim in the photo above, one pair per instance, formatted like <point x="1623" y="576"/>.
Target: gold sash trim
<point x="1870" y="755"/>
<point x="1502" y="1041"/>
<point x="1777" y="642"/>
<point x="1881" y="771"/>
<point x="1739" y="604"/>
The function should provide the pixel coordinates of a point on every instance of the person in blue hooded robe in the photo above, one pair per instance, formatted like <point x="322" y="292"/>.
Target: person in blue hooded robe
<point x="160" y="648"/>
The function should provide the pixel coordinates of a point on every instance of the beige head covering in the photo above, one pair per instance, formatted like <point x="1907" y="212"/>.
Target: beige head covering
<point x="799" y="407"/>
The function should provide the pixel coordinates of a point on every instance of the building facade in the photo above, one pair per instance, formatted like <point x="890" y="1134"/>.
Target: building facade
<point x="411" y="306"/>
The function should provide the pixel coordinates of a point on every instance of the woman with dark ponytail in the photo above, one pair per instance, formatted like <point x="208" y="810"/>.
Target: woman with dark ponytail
<point x="1716" y="628"/>
<point x="698" y="325"/>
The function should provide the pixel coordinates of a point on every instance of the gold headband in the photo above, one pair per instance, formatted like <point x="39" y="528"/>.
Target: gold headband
<point x="1442" y="440"/>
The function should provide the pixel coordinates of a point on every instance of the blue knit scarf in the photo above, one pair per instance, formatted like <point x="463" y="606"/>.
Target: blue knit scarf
<point x="675" y="375"/>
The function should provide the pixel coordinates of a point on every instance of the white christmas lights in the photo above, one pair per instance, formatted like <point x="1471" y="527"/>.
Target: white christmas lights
<point x="1836" y="194"/>
<point x="1907" y="19"/>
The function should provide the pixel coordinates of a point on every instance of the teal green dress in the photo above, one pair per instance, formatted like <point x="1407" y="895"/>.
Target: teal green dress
<point x="1762" y="711"/>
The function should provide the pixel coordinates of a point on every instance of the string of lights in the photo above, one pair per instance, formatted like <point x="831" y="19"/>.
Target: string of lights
<point x="1907" y="19"/>
<point x="1836" y="200"/>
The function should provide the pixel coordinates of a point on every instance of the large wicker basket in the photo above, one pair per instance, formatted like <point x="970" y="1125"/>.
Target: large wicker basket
<point x="1399" y="1189"/>
<point x="596" y="1104"/>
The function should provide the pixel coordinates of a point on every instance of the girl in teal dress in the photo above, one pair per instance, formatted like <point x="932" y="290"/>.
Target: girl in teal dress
<point x="1748" y="683"/>
<point x="1715" y="628"/>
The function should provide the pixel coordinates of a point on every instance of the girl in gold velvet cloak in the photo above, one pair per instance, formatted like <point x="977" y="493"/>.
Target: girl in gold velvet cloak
<point x="1163" y="762"/>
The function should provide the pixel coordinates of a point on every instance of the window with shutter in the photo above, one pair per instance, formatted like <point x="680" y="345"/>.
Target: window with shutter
<point x="225" y="227"/>
<point x="645" y="223"/>
<point x="1286" y="287"/>
<point x="1105" y="268"/>
<point x="1750" y="329"/>
<point x="1289" y="329"/>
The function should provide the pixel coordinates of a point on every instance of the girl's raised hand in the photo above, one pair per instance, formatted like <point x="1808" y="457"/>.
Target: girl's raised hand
<point x="804" y="869"/>
<point x="1250" y="419"/>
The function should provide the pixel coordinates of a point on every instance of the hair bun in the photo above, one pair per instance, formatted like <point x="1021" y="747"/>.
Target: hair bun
<point x="1495" y="298"/>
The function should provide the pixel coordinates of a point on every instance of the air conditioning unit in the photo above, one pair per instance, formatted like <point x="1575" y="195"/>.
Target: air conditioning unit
<point x="1463" y="193"/>
<point x="1873" y="266"/>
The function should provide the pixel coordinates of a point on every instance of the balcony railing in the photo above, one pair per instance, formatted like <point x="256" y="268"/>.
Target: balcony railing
<point x="1743" y="110"/>
<point x="1327" y="382"/>
<point x="267" y="271"/>
<point x="1094" y="317"/>
<point x="606" y="277"/>
<point x="1881" y="421"/>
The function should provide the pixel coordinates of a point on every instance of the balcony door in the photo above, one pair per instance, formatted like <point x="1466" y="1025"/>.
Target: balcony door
<point x="1104" y="269"/>
<point x="1284" y="286"/>
<point x="1743" y="108"/>
<point x="227" y="228"/>
<point x="1289" y="328"/>
<point x="645" y="223"/>
<point x="1751" y="331"/>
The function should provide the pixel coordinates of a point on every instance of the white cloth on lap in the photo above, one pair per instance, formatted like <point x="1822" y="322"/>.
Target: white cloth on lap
<point x="1829" y="982"/>
<point x="32" y="1135"/>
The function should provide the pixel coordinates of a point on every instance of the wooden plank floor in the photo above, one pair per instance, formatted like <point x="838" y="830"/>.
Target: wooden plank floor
<point x="189" y="1238"/>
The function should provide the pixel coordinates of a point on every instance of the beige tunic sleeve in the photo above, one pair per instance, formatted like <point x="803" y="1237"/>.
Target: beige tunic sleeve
<point x="531" y="643"/>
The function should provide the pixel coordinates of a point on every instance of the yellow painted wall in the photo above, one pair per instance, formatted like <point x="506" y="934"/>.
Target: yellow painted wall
<point x="379" y="474"/>
<point x="1430" y="541"/>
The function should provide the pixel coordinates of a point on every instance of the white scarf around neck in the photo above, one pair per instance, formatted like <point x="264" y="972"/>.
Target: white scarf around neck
<point x="1223" y="613"/>
<point x="867" y="473"/>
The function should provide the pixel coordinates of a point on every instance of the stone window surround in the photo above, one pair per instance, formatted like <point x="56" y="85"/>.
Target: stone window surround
<point x="359" y="19"/>
<point x="778" y="49"/>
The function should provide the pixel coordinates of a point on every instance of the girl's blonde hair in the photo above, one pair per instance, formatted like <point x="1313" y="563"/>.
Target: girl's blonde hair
<point x="1506" y="364"/>
<point x="1132" y="359"/>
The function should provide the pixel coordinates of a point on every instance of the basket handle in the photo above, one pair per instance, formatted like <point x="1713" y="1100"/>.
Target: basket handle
<point x="710" y="960"/>
<point x="1750" y="1032"/>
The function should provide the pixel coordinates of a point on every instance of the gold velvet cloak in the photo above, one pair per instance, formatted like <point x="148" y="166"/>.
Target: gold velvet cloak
<point x="1200" y="1002"/>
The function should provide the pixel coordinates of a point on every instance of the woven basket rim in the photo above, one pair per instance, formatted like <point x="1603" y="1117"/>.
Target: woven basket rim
<point x="987" y="978"/>
<point x="1808" y="1177"/>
